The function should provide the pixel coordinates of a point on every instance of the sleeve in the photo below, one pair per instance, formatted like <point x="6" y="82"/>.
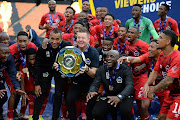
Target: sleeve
<point x="62" y="22"/>
<point x="144" y="58"/>
<point x="38" y="63"/>
<point x="115" y="24"/>
<point x="151" y="28"/>
<point x="127" y="24"/>
<point x="97" y="81"/>
<point x="174" y="70"/>
<point x="157" y="66"/>
<point x="95" y="59"/>
<point x="42" y="22"/>
<point x="175" y="28"/>
<point x="128" y="78"/>
<point x="154" y="34"/>
<point x="12" y="72"/>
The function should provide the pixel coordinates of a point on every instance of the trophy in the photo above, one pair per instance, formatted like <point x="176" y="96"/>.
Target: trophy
<point x="70" y="59"/>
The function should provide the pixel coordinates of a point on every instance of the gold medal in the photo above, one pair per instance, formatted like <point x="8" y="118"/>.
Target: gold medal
<point x="111" y="88"/>
<point x="25" y="70"/>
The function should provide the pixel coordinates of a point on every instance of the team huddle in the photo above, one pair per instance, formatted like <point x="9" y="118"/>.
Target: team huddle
<point x="123" y="63"/>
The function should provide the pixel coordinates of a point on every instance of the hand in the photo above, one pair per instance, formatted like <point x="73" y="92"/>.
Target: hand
<point x="151" y="93"/>
<point x="48" y="26"/>
<point x="18" y="75"/>
<point x="96" y="44"/>
<point x="38" y="90"/>
<point x="55" y="65"/>
<point x="24" y="99"/>
<point x="137" y="68"/>
<point x="90" y="95"/>
<point x="83" y="69"/>
<point x="2" y="93"/>
<point x="113" y="100"/>
<point x="45" y="42"/>
<point x="145" y="90"/>
<point x="121" y="59"/>
<point x="118" y="22"/>
<point x="21" y="92"/>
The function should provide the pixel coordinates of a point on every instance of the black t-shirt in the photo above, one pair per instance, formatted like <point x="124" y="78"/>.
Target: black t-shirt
<point x="84" y="80"/>
<point x="102" y="56"/>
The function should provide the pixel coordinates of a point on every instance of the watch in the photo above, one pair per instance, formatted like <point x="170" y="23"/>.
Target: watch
<point x="120" y="97"/>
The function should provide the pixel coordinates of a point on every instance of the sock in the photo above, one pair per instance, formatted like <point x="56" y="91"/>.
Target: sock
<point x="84" y="106"/>
<point x="145" y="118"/>
<point x="78" y="108"/>
<point x="31" y="104"/>
<point x="10" y="113"/>
<point x="44" y="105"/>
<point x="64" y="111"/>
<point x="23" y="109"/>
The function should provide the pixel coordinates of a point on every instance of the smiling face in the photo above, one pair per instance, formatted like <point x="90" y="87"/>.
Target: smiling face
<point x="107" y="45"/>
<point x="22" y="41"/>
<point x="4" y="54"/>
<point x="122" y="33"/>
<point x="108" y="20"/>
<point x="153" y="51"/>
<point x="52" y="6"/>
<point x="111" y="58"/>
<point x="82" y="40"/>
<point x="4" y="38"/>
<point x="55" y="39"/>
<point x="69" y="14"/>
<point x="136" y="12"/>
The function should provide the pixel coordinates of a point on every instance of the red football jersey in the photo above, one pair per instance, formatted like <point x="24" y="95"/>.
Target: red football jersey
<point x="76" y="16"/>
<point x="69" y="37"/>
<point x="68" y="29"/>
<point x="136" y="50"/>
<point x="29" y="83"/>
<point x="15" y="53"/>
<point x="170" y="66"/>
<point x="100" y="32"/>
<point x="98" y="22"/>
<point x="57" y="22"/>
<point x="171" y="24"/>
<point x="122" y="46"/>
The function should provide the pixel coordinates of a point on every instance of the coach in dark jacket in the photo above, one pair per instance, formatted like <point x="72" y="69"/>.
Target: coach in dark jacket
<point x="44" y="72"/>
<point x="117" y="80"/>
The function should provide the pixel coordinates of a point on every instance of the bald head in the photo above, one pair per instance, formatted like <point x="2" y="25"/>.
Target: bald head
<point x="85" y="6"/>
<point x="4" y="38"/>
<point x="114" y="53"/>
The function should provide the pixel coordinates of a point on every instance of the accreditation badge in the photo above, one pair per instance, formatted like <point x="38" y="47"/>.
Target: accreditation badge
<point x="70" y="60"/>
<point x="119" y="80"/>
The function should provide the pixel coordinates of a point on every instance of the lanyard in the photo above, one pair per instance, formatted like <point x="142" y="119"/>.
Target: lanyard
<point x="86" y="51"/>
<point x="162" y="26"/>
<point x="152" y="64"/>
<point x="109" y="32"/>
<point x="119" y="47"/>
<point x="114" y="74"/>
<point x="138" y="23"/>
<point x="51" y="20"/>
<point x="100" y="22"/>
<point x="23" y="59"/>
<point x="103" y="55"/>
<point x="67" y="29"/>
<point x="52" y="51"/>
<point x="74" y="40"/>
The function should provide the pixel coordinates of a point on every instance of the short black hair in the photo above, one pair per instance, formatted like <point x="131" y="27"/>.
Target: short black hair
<point x="123" y="27"/>
<point x="30" y="51"/>
<point x="69" y="7"/>
<point x="172" y="35"/>
<point x="109" y="39"/>
<point x="56" y="30"/>
<point x="22" y="33"/>
<point x="79" y="22"/>
<point x="139" y="5"/>
<point x="154" y="40"/>
<point x="85" y="22"/>
<point x="110" y="14"/>
<point x="166" y="6"/>
<point x="104" y="7"/>
<point x="137" y="29"/>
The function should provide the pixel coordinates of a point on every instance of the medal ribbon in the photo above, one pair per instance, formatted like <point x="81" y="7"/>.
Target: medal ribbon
<point x="52" y="51"/>
<point x="109" y="32"/>
<point x="51" y="20"/>
<point x="114" y="74"/>
<point x="138" y="23"/>
<point x="152" y="64"/>
<point x="119" y="47"/>
<point x="162" y="26"/>
<point x="100" y="22"/>
<point x="86" y="51"/>
<point x="67" y="29"/>
<point x="23" y="59"/>
<point x="74" y="40"/>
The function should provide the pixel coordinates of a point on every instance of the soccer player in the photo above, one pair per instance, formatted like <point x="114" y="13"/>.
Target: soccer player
<point x="136" y="47"/>
<point x="117" y="80"/>
<point x="18" y="52"/>
<point x="98" y="13"/>
<point x="165" y="22"/>
<point x="168" y="65"/>
<point x="44" y="72"/>
<point x="52" y="19"/>
<point x="33" y="37"/>
<point x="73" y="36"/>
<point x="106" y="30"/>
<point x="119" y="42"/>
<point x="81" y="83"/>
<point x="69" y="23"/>
<point x="85" y="8"/>
<point x="4" y="36"/>
<point x="144" y="24"/>
<point x="103" y="11"/>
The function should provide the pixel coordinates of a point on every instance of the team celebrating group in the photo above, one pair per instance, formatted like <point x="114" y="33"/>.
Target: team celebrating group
<point x="123" y="63"/>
